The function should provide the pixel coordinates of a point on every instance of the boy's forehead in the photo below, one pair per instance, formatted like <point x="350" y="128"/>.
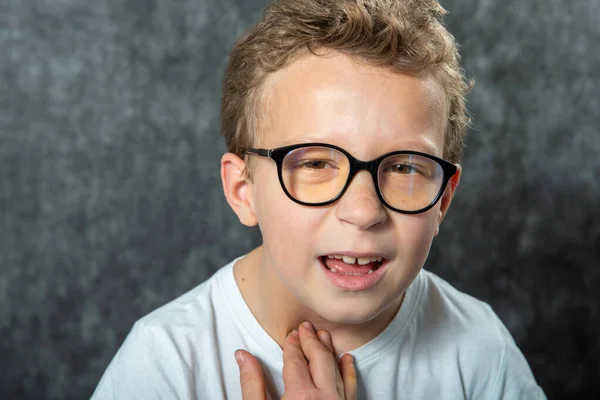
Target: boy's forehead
<point x="331" y="94"/>
<point x="310" y="69"/>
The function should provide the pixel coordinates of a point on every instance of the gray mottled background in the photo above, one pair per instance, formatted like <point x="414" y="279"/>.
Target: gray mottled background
<point x="110" y="198"/>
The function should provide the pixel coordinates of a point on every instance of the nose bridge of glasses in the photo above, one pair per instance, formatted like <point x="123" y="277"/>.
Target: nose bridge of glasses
<point x="357" y="165"/>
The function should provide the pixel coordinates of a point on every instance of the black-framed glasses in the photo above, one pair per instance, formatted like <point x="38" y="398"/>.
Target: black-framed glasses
<point x="317" y="174"/>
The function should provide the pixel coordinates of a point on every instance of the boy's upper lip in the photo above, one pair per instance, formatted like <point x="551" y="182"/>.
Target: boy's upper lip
<point x="356" y="254"/>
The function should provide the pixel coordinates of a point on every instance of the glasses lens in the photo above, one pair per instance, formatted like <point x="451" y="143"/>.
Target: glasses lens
<point x="410" y="182"/>
<point x="315" y="174"/>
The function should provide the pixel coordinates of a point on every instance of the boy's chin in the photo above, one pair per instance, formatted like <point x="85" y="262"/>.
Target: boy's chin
<point x="347" y="314"/>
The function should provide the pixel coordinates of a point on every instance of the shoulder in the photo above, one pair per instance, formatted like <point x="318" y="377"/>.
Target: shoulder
<point x="160" y="356"/>
<point x="468" y="324"/>
<point x="461" y="323"/>
<point x="458" y="313"/>
<point x="198" y="308"/>
<point x="185" y="324"/>
<point x="490" y="363"/>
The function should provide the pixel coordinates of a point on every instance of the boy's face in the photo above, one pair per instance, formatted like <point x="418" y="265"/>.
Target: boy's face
<point x="368" y="111"/>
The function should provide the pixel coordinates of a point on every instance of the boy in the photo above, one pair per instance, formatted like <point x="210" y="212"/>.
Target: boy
<point x="344" y="121"/>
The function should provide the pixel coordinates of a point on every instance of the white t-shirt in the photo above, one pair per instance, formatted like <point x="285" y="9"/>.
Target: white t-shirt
<point x="442" y="344"/>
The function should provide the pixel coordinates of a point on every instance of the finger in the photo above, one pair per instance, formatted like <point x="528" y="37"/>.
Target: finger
<point x="251" y="376"/>
<point x="348" y="371"/>
<point x="296" y="375"/>
<point x="321" y="361"/>
<point x="325" y="338"/>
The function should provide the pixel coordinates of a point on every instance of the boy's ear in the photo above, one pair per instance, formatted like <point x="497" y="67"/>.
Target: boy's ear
<point x="447" y="197"/>
<point x="237" y="188"/>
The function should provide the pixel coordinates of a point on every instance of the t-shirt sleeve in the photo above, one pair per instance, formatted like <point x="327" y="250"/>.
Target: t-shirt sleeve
<point x="514" y="380"/>
<point x="147" y="366"/>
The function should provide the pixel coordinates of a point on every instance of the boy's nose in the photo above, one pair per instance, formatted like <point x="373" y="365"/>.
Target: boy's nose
<point x="360" y="205"/>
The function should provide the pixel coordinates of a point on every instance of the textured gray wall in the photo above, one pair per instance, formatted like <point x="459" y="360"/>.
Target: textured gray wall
<point x="110" y="199"/>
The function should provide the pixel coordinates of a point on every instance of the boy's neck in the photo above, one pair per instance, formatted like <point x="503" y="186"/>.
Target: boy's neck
<point x="278" y="311"/>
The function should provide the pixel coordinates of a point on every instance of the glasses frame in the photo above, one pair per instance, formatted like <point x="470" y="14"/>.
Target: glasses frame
<point x="356" y="165"/>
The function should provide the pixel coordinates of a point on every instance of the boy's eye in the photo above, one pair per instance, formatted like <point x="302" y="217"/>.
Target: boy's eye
<point x="402" y="168"/>
<point x="314" y="164"/>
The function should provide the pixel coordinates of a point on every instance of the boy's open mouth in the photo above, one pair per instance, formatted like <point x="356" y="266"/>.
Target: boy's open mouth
<point x="347" y="265"/>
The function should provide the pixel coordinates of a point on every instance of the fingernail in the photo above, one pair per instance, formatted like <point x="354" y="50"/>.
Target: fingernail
<point x="239" y="357"/>
<point x="294" y="333"/>
<point x="308" y="326"/>
<point x="323" y="336"/>
<point x="350" y="358"/>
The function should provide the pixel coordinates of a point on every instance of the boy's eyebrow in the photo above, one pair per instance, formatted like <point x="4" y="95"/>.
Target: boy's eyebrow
<point x="424" y="146"/>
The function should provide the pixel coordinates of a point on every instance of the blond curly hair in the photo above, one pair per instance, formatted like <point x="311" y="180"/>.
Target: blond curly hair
<point x="407" y="36"/>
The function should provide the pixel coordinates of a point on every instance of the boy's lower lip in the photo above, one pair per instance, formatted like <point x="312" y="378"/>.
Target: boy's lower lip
<point x="354" y="283"/>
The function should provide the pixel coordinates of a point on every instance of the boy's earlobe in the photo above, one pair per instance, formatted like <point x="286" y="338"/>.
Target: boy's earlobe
<point x="236" y="188"/>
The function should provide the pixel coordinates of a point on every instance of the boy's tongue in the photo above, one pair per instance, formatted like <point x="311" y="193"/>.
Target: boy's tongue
<point x="341" y="266"/>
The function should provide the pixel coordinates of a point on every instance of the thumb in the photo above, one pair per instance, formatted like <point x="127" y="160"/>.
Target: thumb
<point x="251" y="376"/>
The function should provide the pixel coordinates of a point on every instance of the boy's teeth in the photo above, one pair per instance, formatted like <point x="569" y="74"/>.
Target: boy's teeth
<point x="348" y="259"/>
<point x="335" y="271"/>
<point x="361" y="260"/>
